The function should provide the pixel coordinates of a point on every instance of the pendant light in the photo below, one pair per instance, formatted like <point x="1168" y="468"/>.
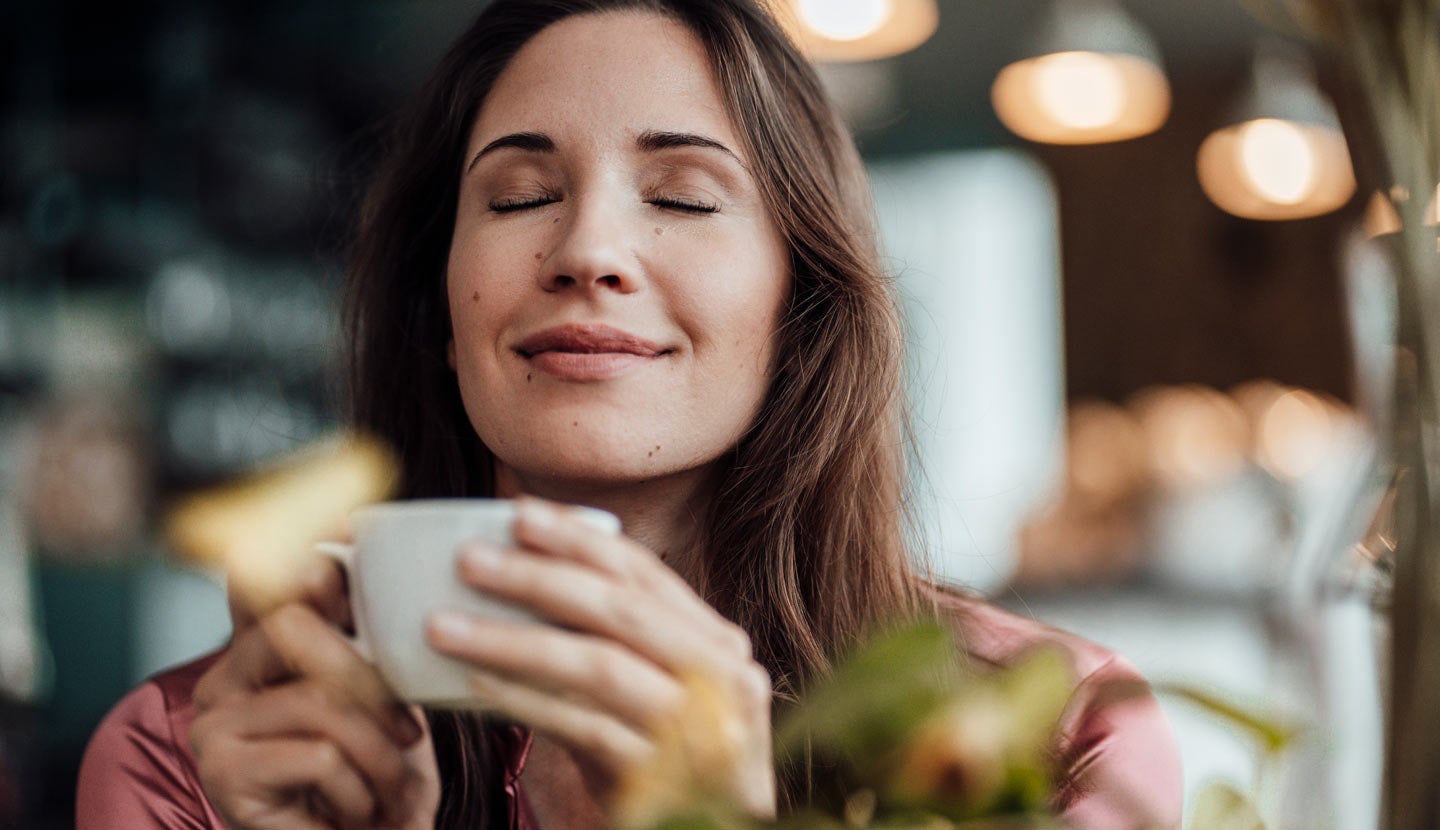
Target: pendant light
<point x="843" y="31"/>
<point x="1283" y="155"/>
<point x="1090" y="75"/>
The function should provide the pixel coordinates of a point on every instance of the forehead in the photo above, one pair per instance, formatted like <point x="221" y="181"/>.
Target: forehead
<point x="619" y="73"/>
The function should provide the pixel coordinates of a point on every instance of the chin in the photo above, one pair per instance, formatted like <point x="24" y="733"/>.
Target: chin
<point x="591" y="453"/>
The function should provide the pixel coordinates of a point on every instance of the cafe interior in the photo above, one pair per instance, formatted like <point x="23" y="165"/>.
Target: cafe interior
<point x="1140" y="245"/>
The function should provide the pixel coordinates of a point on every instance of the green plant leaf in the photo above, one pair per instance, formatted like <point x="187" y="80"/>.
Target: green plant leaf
<point x="1035" y="690"/>
<point x="1274" y="733"/>
<point x="876" y="695"/>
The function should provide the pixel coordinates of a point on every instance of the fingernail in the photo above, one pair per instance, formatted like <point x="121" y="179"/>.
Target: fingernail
<point x="537" y="514"/>
<point x="449" y="625"/>
<point x="601" y="520"/>
<point x="481" y="556"/>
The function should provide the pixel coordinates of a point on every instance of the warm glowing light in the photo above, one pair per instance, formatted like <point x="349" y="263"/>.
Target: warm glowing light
<point x="1381" y="217"/>
<point x="845" y="20"/>
<point x="1272" y="169"/>
<point x="845" y="31"/>
<point x="1081" y="97"/>
<point x="1295" y="433"/>
<point x="1196" y="435"/>
<point x="1106" y="459"/>
<point x="1278" y="160"/>
<point x="1082" y="90"/>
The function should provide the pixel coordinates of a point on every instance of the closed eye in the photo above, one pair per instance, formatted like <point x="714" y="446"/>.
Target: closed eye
<point x="512" y="205"/>
<point x="685" y="205"/>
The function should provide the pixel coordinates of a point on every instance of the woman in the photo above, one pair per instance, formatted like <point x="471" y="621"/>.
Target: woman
<point x="621" y="256"/>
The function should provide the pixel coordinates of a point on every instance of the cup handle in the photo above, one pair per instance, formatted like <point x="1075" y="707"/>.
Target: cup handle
<point x="344" y="556"/>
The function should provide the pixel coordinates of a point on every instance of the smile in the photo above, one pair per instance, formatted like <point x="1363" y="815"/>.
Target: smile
<point x="587" y="352"/>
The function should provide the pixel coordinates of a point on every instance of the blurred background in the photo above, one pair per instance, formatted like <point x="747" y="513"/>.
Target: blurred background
<point x="1148" y="332"/>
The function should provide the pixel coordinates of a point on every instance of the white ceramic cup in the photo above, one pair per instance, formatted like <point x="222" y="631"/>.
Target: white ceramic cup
<point x="401" y="568"/>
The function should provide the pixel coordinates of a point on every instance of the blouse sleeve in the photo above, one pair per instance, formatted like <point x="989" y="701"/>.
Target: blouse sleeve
<point x="1120" y="759"/>
<point x="138" y="772"/>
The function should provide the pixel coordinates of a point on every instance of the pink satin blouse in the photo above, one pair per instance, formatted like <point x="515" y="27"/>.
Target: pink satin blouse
<point x="1121" y="765"/>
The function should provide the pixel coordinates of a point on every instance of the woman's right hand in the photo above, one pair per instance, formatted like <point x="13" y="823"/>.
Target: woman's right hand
<point x="294" y="730"/>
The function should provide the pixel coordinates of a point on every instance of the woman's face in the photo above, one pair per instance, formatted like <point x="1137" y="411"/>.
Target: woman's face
<point x="615" y="281"/>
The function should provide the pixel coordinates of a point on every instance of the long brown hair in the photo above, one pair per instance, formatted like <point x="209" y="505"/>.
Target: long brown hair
<point x="806" y="538"/>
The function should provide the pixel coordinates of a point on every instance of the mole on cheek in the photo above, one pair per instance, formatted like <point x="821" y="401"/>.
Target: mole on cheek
<point x="659" y="231"/>
<point x="539" y="254"/>
<point x="475" y="297"/>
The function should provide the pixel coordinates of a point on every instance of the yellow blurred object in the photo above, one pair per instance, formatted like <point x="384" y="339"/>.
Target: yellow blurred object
<point x="697" y="753"/>
<point x="989" y="746"/>
<point x="959" y="754"/>
<point x="261" y="529"/>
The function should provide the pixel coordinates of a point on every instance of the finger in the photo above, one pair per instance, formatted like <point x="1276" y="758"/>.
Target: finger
<point x="579" y="597"/>
<point x="311" y="711"/>
<point x="598" y="736"/>
<point x="600" y="672"/>
<point x="262" y="783"/>
<point x="559" y="531"/>
<point x="324" y="587"/>
<point x="288" y="764"/>
<point x="294" y="642"/>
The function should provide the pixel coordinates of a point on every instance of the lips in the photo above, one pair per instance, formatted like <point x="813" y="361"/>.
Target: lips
<point x="587" y="352"/>
<point x="588" y="339"/>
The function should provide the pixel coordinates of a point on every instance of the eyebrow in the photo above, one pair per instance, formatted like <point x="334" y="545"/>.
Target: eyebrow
<point x="650" y="141"/>
<point x="529" y="142"/>
<point x="655" y="140"/>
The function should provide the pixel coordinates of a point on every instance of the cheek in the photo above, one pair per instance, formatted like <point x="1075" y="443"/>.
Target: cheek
<point x="480" y="285"/>
<point x="739" y="327"/>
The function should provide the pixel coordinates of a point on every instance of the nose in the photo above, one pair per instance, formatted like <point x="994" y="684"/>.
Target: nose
<point x="592" y="250"/>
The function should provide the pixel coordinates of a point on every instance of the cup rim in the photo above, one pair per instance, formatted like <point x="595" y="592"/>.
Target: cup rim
<point x="485" y="505"/>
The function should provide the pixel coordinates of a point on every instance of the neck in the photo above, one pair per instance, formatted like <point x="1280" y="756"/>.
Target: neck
<point x="663" y="514"/>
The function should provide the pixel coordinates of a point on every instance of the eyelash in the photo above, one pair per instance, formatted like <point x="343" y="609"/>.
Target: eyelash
<point x="685" y="205"/>
<point x="512" y="205"/>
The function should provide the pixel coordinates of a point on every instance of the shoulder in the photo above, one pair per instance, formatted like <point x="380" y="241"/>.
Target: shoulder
<point x="138" y="770"/>
<point x="1120" y="765"/>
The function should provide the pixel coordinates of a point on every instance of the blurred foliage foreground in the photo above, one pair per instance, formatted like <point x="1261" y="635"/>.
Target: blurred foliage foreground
<point x="910" y="735"/>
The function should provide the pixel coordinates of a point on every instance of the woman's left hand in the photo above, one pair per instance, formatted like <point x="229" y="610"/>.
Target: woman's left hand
<point x="623" y="631"/>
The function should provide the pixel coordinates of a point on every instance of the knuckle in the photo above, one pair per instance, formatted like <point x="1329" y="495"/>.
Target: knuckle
<point x="212" y="768"/>
<point x="288" y="618"/>
<point x="738" y="640"/>
<point x="325" y="758"/>
<point x="200" y="734"/>
<point x="312" y="699"/>
<point x="607" y="670"/>
<point x="756" y="685"/>
<point x="279" y="628"/>
<point x="626" y="607"/>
